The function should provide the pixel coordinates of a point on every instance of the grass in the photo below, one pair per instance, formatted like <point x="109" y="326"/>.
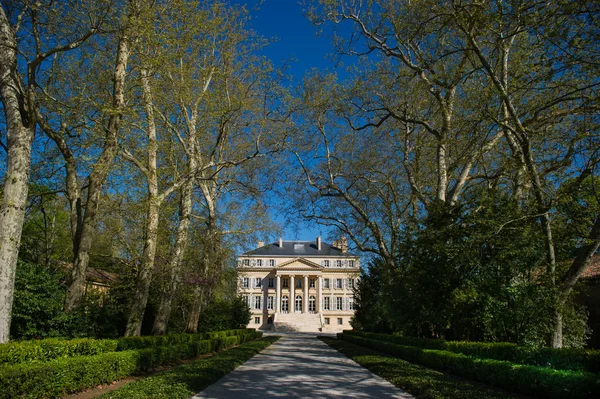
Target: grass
<point x="184" y="381"/>
<point x="421" y="382"/>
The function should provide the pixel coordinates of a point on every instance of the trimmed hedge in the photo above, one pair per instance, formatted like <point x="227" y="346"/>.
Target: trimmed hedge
<point x="510" y="376"/>
<point x="561" y="359"/>
<point x="57" y="377"/>
<point x="184" y="381"/>
<point x="53" y="348"/>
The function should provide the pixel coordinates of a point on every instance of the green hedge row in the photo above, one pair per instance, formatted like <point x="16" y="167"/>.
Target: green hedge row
<point x="514" y="377"/>
<point x="561" y="359"/>
<point x="57" y="377"/>
<point x="52" y="348"/>
<point x="184" y="381"/>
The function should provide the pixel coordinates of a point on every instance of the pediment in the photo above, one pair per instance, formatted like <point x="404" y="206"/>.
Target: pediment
<point x="299" y="264"/>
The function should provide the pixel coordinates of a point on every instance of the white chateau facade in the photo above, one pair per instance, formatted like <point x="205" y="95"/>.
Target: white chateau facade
<point x="299" y="285"/>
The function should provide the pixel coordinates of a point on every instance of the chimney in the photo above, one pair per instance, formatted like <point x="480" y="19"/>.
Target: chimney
<point x="319" y="243"/>
<point x="341" y="244"/>
<point x="280" y="242"/>
<point x="261" y="244"/>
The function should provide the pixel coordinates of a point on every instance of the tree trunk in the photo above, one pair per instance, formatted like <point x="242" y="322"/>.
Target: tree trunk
<point x="195" y="310"/>
<point x="20" y="129"/>
<point x="85" y="229"/>
<point x="164" y="309"/>
<point x="140" y="299"/>
<point x="581" y="261"/>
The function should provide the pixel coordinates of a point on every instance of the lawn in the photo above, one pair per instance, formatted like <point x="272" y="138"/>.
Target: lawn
<point x="419" y="381"/>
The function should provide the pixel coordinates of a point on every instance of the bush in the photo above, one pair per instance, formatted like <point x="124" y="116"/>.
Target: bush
<point x="52" y="348"/>
<point x="54" y="378"/>
<point x="562" y="359"/>
<point x="224" y="315"/>
<point x="183" y="381"/>
<point x="510" y="376"/>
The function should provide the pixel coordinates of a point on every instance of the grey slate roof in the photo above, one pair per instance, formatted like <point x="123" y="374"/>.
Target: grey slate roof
<point x="297" y="248"/>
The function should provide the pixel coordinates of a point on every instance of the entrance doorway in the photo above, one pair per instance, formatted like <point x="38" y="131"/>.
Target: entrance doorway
<point x="298" y="303"/>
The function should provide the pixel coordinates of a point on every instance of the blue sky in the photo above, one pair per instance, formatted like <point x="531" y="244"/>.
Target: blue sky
<point x="296" y="40"/>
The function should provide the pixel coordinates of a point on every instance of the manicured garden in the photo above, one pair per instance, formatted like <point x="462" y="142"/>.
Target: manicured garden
<point x="51" y="368"/>
<point x="552" y="373"/>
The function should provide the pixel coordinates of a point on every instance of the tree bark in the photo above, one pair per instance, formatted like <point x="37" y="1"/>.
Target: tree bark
<point x="140" y="299"/>
<point x="20" y="130"/>
<point x="164" y="309"/>
<point x="85" y="226"/>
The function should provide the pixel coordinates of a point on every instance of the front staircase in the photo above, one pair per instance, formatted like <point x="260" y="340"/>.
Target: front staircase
<point x="297" y="322"/>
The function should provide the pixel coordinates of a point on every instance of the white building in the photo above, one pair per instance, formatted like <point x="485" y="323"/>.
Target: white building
<point x="299" y="285"/>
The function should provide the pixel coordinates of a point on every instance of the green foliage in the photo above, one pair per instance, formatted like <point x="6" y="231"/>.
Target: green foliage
<point x="184" y="381"/>
<point x="511" y="376"/>
<point x="224" y="315"/>
<point x="422" y="382"/>
<point x="38" y="301"/>
<point x="56" y="377"/>
<point x="562" y="359"/>
<point x="469" y="272"/>
<point x="52" y="348"/>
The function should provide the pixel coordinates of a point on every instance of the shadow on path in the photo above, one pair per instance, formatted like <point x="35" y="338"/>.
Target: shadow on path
<point x="301" y="366"/>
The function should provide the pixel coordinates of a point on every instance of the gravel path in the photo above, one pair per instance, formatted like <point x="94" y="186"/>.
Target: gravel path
<point x="301" y="366"/>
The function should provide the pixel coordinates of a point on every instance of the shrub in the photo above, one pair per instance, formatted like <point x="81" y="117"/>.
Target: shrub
<point x="59" y="376"/>
<point x="511" y="376"/>
<point x="52" y="348"/>
<point x="562" y="359"/>
<point x="183" y="381"/>
<point x="224" y="315"/>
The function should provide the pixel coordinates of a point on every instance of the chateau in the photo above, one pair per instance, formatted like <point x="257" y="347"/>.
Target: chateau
<point x="299" y="285"/>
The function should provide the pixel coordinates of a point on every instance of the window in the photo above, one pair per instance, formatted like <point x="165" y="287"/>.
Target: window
<point x="339" y="303"/>
<point x="259" y="262"/>
<point x="326" y="321"/>
<point x="338" y="283"/>
<point x="270" y="301"/>
<point x="326" y="263"/>
<point x="326" y="283"/>
<point x="270" y="320"/>
<point x="246" y="282"/>
<point x="298" y="283"/>
<point x="271" y="282"/>
<point x="257" y="320"/>
<point x="285" y="308"/>
<point x="311" y="283"/>
<point x="286" y="283"/>
<point x="312" y="307"/>
<point x="350" y="283"/>
<point x="338" y="263"/>
<point x="257" y="301"/>
<point x="247" y="300"/>
<point x="246" y="262"/>
<point x="350" y="303"/>
<point x="258" y="282"/>
<point x="298" y="303"/>
<point x="271" y="262"/>
<point x="352" y="263"/>
<point x="340" y="321"/>
<point x="326" y="303"/>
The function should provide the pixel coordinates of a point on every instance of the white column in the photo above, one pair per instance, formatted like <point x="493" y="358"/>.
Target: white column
<point x="319" y="294"/>
<point x="266" y="294"/>
<point x="305" y="296"/>
<point x="292" y="301"/>
<point x="278" y="295"/>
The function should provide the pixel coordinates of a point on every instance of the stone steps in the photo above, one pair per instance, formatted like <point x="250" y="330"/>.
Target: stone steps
<point x="300" y="322"/>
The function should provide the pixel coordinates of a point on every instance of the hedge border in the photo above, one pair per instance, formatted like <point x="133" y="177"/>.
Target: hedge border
<point x="52" y="348"/>
<point x="510" y="376"/>
<point x="184" y="381"/>
<point x="57" y="377"/>
<point x="561" y="359"/>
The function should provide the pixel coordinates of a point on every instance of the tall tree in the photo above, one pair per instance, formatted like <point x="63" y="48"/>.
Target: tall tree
<point x="22" y="35"/>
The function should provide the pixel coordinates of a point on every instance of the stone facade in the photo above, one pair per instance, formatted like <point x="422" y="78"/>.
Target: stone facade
<point x="299" y="285"/>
